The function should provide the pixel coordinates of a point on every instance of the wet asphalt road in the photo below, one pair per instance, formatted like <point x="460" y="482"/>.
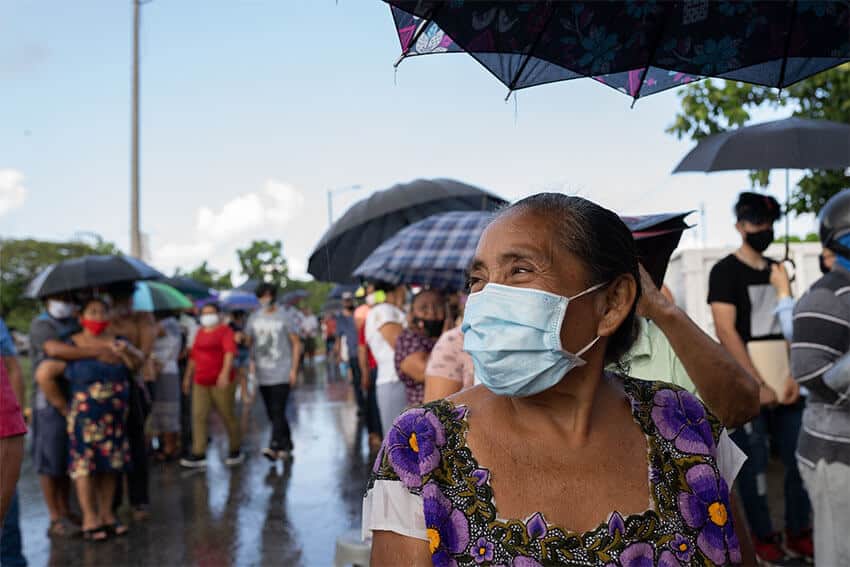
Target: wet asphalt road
<point x="253" y="514"/>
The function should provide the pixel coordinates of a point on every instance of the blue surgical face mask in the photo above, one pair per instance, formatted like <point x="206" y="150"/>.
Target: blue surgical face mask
<point x="514" y="337"/>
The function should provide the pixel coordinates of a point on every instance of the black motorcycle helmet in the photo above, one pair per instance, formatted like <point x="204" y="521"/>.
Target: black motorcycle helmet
<point x="835" y="222"/>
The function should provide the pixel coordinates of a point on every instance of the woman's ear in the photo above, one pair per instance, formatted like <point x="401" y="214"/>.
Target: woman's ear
<point x="617" y="301"/>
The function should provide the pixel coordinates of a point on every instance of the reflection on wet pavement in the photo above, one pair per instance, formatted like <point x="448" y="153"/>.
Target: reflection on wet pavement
<point x="254" y="514"/>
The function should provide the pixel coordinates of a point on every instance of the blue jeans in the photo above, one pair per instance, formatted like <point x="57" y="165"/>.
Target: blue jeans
<point x="11" y="545"/>
<point x="781" y="426"/>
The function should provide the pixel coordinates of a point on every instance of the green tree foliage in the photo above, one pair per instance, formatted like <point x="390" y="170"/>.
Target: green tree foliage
<point x="263" y="261"/>
<point x="208" y="276"/>
<point x="713" y="106"/>
<point x="318" y="292"/>
<point x="22" y="259"/>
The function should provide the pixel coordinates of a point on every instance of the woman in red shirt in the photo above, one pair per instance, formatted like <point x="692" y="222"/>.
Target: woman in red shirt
<point x="211" y="366"/>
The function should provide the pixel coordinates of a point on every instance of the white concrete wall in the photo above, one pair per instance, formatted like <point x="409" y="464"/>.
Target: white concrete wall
<point x="687" y="275"/>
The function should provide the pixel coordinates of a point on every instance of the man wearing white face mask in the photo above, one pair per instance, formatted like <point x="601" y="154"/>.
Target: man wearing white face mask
<point x="48" y="333"/>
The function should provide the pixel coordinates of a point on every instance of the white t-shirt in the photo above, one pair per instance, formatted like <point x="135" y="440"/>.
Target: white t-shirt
<point x="310" y="325"/>
<point x="383" y="352"/>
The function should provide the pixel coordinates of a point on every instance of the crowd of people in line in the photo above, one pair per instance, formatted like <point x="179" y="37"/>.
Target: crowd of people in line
<point x="611" y="426"/>
<point x="114" y="389"/>
<point x="568" y="384"/>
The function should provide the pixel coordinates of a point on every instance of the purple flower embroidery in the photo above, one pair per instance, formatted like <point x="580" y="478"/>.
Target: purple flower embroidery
<point x="615" y="524"/>
<point x="682" y="548"/>
<point x="481" y="476"/>
<point x="447" y="528"/>
<point x="643" y="555"/>
<point x="413" y="445"/>
<point x="707" y="508"/>
<point x="536" y="526"/>
<point x="482" y="550"/>
<point x="523" y="561"/>
<point x="681" y="418"/>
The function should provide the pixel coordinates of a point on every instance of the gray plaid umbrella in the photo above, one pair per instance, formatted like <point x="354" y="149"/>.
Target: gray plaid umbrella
<point x="433" y="252"/>
<point x="437" y="251"/>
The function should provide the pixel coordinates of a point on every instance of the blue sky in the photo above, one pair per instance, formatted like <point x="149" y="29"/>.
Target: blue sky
<point x="252" y="109"/>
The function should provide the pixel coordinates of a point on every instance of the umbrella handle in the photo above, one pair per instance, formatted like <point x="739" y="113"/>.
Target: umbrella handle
<point x="790" y="267"/>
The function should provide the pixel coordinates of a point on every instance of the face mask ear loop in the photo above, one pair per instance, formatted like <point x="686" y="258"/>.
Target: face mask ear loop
<point x="588" y="291"/>
<point x="588" y="347"/>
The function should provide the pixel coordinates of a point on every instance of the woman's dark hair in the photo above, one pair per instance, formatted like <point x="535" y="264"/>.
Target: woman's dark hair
<point x="266" y="289"/>
<point x="425" y="290"/>
<point x="121" y="290"/>
<point x="384" y="286"/>
<point x="93" y="299"/>
<point x="600" y="239"/>
<point x="214" y="305"/>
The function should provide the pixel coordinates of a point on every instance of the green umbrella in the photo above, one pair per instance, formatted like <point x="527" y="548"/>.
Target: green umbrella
<point x="155" y="296"/>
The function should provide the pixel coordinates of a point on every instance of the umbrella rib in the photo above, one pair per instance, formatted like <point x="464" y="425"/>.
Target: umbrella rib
<point x="787" y="45"/>
<point x="652" y="53"/>
<point x="528" y="57"/>
<point x="426" y="21"/>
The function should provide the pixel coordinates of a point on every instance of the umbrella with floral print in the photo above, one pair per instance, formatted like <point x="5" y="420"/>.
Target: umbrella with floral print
<point x="637" y="47"/>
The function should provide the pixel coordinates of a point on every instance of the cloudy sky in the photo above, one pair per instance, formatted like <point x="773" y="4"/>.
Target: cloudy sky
<point x="252" y="110"/>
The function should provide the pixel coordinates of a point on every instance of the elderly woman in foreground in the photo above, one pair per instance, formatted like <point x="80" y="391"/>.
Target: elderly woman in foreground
<point x="552" y="460"/>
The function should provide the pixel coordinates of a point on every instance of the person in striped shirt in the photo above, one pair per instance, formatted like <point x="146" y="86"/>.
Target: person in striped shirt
<point x="820" y="362"/>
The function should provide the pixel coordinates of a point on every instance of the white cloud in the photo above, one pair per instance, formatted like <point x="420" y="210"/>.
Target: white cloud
<point x="12" y="191"/>
<point x="218" y="232"/>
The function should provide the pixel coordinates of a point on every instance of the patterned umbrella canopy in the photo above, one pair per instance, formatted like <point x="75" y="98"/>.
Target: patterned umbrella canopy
<point x="637" y="47"/>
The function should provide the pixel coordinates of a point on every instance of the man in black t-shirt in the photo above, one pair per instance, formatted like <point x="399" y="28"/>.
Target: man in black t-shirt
<point x="743" y="304"/>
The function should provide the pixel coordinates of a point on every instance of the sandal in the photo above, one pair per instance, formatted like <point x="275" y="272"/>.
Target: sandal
<point x="98" y="534"/>
<point x="63" y="527"/>
<point x="115" y="529"/>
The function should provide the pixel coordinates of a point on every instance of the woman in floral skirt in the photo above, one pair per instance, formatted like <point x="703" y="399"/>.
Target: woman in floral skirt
<point x="553" y="460"/>
<point x="96" y="414"/>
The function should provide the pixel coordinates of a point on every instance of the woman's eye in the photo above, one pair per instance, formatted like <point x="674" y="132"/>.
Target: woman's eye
<point x="516" y="270"/>
<point x="473" y="284"/>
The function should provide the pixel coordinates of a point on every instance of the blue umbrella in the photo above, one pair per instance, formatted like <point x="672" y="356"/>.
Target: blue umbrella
<point x="238" y="301"/>
<point x="293" y="297"/>
<point x="433" y="252"/>
<point x="340" y="289"/>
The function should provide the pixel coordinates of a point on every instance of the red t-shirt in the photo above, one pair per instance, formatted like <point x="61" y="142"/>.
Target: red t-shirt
<point x="208" y="353"/>
<point x="330" y="327"/>
<point x="361" y="340"/>
<point x="11" y="418"/>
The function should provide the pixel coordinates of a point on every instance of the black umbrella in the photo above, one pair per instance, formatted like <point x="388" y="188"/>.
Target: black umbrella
<point x="87" y="272"/>
<point x="636" y="47"/>
<point x="656" y="238"/>
<point x="792" y="143"/>
<point x="189" y="287"/>
<point x="373" y="220"/>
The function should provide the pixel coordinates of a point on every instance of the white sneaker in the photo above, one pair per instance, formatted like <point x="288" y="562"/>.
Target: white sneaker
<point x="234" y="459"/>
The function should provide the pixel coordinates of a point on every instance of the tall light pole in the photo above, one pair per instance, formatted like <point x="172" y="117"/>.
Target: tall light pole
<point x="338" y="191"/>
<point x="135" y="229"/>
